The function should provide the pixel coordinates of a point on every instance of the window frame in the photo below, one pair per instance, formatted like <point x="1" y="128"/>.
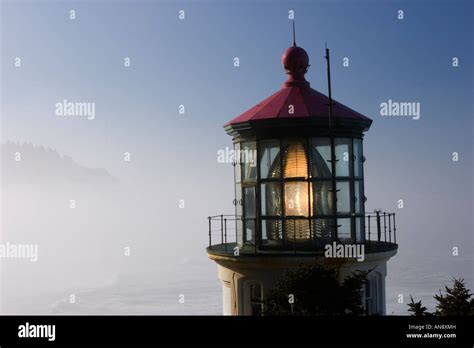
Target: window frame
<point x="310" y="180"/>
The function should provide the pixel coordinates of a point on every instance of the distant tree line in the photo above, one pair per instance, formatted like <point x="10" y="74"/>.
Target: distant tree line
<point x="456" y="301"/>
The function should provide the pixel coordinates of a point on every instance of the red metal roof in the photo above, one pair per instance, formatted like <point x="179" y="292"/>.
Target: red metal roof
<point x="297" y="92"/>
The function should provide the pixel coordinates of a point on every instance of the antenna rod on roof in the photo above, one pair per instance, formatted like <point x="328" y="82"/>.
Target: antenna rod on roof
<point x="294" y="35"/>
<point x="328" y="65"/>
<point x="333" y="149"/>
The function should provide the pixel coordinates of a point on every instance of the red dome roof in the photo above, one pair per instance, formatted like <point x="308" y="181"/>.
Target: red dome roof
<point x="296" y="91"/>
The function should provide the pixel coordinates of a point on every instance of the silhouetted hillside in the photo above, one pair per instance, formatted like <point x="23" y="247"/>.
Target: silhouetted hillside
<point x="44" y="166"/>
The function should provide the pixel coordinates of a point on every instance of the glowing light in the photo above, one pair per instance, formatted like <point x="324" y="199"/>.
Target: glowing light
<point x="297" y="196"/>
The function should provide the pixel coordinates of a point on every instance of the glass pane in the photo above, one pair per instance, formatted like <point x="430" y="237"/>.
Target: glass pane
<point x="367" y="289"/>
<point x="296" y="199"/>
<point x="248" y="158"/>
<point x="344" y="230"/>
<point x="323" y="228"/>
<point x="249" y="201"/>
<point x="239" y="232"/>
<point x="271" y="199"/>
<point x="322" y="198"/>
<point x="343" y="197"/>
<point x="342" y="156"/>
<point x="269" y="159"/>
<point x="358" y="158"/>
<point x="238" y="200"/>
<point x="321" y="157"/>
<point x="271" y="231"/>
<point x="239" y="212"/>
<point x="237" y="167"/>
<point x="249" y="230"/>
<point x="358" y="197"/>
<point x="255" y="292"/>
<point x="295" y="159"/>
<point x="297" y="230"/>
<point x="360" y="231"/>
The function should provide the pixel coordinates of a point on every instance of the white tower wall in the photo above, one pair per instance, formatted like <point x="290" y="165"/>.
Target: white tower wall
<point x="237" y="274"/>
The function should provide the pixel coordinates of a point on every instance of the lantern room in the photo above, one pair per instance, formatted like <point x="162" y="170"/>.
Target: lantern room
<point x="299" y="188"/>
<point x="299" y="180"/>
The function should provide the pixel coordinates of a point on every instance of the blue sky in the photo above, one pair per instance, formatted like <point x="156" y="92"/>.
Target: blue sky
<point x="190" y="62"/>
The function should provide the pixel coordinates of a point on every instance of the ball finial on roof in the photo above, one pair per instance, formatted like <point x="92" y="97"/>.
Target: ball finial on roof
<point x="295" y="60"/>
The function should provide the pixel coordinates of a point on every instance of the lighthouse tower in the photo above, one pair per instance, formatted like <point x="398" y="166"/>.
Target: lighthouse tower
<point x="299" y="187"/>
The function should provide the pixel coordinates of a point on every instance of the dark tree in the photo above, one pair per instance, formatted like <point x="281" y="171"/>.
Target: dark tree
<point x="416" y="308"/>
<point x="315" y="290"/>
<point x="456" y="301"/>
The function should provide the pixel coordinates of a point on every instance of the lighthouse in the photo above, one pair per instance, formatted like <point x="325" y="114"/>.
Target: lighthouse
<point x="299" y="196"/>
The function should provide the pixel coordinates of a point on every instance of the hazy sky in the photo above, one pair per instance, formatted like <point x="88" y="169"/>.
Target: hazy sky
<point x="190" y="62"/>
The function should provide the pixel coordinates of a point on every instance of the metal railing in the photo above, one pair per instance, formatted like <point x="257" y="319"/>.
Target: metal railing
<point x="226" y="227"/>
<point x="379" y="234"/>
<point x="381" y="225"/>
